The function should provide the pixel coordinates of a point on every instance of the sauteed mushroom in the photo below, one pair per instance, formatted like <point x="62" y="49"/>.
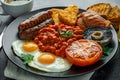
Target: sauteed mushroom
<point x="102" y="35"/>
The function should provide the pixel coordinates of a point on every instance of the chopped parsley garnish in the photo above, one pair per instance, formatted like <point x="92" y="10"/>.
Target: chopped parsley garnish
<point x="27" y="58"/>
<point x="66" y="34"/>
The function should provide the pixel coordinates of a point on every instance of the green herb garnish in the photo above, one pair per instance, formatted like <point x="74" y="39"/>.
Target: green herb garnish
<point x="66" y="34"/>
<point x="106" y="51"/>
<point x="27" y="58"/>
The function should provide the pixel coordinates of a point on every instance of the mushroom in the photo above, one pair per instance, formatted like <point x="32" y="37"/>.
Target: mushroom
<point x="97" y="35"/>
<point x="102" y="35"/>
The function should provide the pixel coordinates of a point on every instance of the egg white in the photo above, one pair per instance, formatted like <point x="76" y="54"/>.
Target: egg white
<point x="59" y="65"/>
<point x="17" y="48"/>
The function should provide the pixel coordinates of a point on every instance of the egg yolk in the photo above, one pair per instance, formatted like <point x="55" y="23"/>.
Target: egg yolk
<point x="29" y="46"/>
<point x="46" y="58"/>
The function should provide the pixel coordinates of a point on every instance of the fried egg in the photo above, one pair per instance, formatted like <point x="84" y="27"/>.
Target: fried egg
<point x="50" y="63"/>
<point x="43" y="61"/>
<point x="24" y="47"/>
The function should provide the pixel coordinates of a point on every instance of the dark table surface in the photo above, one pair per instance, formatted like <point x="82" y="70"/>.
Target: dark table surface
<point x="111" y="71"/>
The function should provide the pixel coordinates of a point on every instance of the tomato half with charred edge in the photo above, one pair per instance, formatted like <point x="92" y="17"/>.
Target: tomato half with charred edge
<point x="84" y="52"/>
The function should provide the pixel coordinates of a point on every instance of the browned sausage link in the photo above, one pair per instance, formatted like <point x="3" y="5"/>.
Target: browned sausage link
<point x="30" y="33"/>
<point x="34" y="20"/>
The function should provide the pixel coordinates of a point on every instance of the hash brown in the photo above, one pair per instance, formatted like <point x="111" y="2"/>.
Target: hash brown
<point x="55" y="13"/>
<point x="67" y="16"/>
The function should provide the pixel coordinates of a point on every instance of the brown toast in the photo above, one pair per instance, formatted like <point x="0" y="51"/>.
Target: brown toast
<point x="102" y="9"/>
<point x="114" y="14"/>
<point x="116" y="25"/>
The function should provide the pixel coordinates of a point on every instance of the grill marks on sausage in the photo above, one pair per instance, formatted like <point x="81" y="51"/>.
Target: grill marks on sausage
<point x="29" y="28"/>
<point x="34" y="20"/>
<point x="30" y="33"/>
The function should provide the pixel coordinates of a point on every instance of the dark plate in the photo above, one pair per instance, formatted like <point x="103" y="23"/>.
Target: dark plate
<point x="10" y="35"/>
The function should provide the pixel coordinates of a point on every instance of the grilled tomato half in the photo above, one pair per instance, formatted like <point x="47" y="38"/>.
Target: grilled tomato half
<point x="84" y="52"/>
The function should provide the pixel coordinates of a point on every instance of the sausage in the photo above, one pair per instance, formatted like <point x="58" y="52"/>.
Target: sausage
<point x="34" y="20"/>
<point x="30" y="33"/>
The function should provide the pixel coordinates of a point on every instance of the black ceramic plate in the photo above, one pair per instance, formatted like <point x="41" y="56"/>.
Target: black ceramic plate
<point x="10" y="35"/>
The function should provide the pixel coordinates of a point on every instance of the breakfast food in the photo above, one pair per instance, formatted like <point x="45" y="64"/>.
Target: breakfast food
<point x="45" y="63"/>
<point x="91" y="19"/>
<point x="28" y="51"/>
<point x="24" y="47"/>
<point x="109" y="12"/>
<point x="114" y="14"/>
<point x="53" y="40"/>
<point x="31" y="33"/>
<point x="72" y="8"/>
<point x="31" y="26"/>
<point x="34" y="20"/>
<point x="99" y="34"/>
<point x="66" y="16"/>
<point x="84" y="52"/>
<point x="116" y="25"/>
<point x="101" y="8"/>
<point x="55" y="14"/>
<point x="114" y="17"/>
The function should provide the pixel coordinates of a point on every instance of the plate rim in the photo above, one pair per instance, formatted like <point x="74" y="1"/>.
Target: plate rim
<point x="40" y="10"/>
